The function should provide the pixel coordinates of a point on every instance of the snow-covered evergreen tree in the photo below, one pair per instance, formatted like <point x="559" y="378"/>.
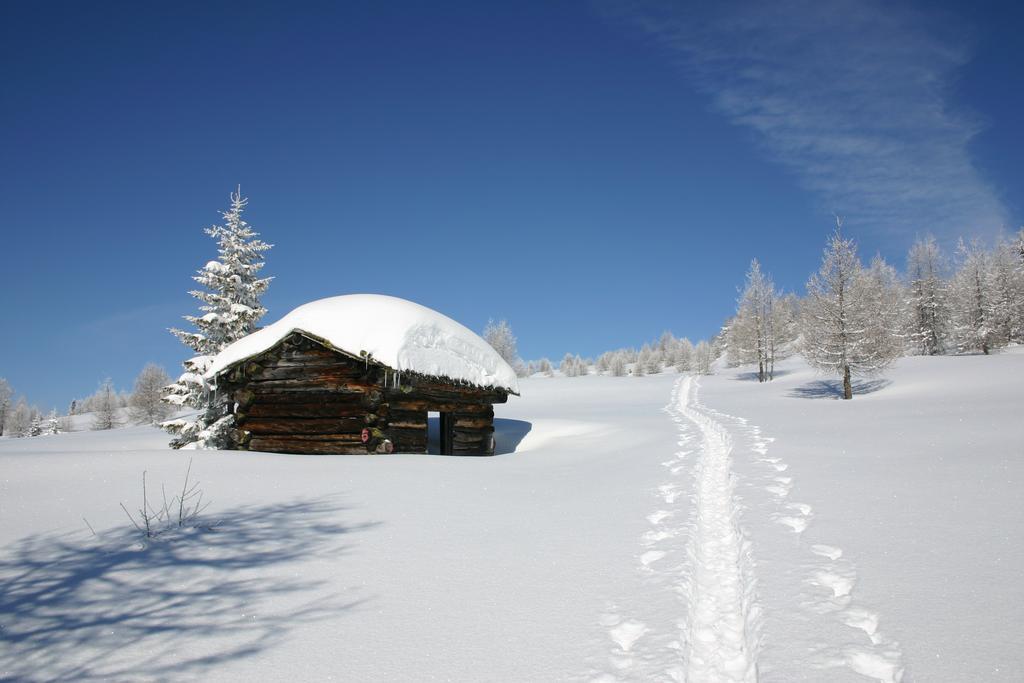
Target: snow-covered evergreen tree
<point x="838" y="334"/>
<point x="36" y="425"/>
<point x="52" y="424"/>
<point x="229" y="310"/>
<point x="928" y="298"/>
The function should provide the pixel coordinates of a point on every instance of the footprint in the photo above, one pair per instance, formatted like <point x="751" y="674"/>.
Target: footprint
<point x="784" y="480"/>
<point x="650" y="557"/>
<point x="670" y="492"/>
<point x="864" y="620"/>
<point x="657" y="517"/>
<point x="780" y="466"/>
<point x="627" y="633"/>
<point x="885" y="667"/>
<point x="652" y="537"/>
<point x="797" y="524"/>
<point x="831" y="552"/>
<point x="780" y="491"/>
<point x="841" y="586"/>
<point x="803" y="508"/>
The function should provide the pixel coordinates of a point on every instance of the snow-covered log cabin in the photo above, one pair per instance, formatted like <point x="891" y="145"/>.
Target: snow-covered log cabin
<point x="360" y="374"/>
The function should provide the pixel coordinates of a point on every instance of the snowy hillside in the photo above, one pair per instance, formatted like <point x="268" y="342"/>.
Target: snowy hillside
<point x="654" y="528"/>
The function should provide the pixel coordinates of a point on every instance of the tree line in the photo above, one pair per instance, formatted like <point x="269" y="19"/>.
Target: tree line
<point x="854" y="319"/>
<point x="107" y="408"/>
<point x="857" y="319"/>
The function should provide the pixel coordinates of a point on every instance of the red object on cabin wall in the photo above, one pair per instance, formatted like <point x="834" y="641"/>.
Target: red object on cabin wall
<point x="365" y="436"/>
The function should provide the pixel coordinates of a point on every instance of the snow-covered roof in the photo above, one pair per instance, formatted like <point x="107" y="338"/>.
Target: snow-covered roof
<point x="401" y="334"/>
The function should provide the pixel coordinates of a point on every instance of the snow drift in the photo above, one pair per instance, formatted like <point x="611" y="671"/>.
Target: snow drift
<point x="401" y="334"/>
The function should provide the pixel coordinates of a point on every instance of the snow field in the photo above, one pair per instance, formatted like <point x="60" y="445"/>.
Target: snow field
<point x="809" y="540"/>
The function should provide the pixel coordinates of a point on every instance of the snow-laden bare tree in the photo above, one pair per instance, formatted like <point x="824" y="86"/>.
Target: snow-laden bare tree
<point x="105" y="406"/>
<point x="703" y="357"/>
<point x="229" y="308"/>
<point x="886" y="308"/>
<point x="971" y="300"/>
<point x="927" y="294"/>
<point x="499" y="336"/>
<point x="146" y="405"/>
<point x="545" y="366"/>
<point x="5" y="403"/>
<point x="762" y="326"/>
<point x="747" y="342"/>
<point x="573" y="366"/>
<point x="654" y="364"/>
<point x="1006" y="292"/>
<point x="683" y="358"/>
<point x="838" y="333"/>
<point x="617" y="365"/>
<point x="19" y="419"/>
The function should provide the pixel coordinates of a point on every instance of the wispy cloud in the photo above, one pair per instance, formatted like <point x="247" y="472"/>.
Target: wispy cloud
<point x="854" y="96"/>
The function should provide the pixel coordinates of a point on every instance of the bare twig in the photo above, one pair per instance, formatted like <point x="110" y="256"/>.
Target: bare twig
<point x="90" y="526"/>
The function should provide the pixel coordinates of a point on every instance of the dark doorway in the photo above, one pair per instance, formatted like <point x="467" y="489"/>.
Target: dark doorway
<point x="440" y="433"/>
<point x="447" y="433"/>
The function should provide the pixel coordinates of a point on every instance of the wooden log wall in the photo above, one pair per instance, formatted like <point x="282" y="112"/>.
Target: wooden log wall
<point x="302" y="397"/>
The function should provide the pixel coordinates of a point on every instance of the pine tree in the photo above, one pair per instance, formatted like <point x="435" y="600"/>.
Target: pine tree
<point x="928" y="297"/>
<point x="36" y="426"/>
<point x="52" y="424"/>
<point x="838" y="335"/>
<point x="229" y="310"/>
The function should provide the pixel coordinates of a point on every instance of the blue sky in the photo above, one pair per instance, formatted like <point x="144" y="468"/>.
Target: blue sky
<point x="595" y="172"/>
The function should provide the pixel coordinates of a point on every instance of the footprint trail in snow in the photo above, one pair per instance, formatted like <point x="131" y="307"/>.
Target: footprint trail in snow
<point x="697" y="554"/>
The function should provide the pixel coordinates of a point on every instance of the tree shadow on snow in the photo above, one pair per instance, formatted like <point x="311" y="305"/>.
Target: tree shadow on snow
<point x="833" y="388"/>
<point x="114" y="608"/>
<point x="752" y="376"/>
<point x="508" y="434"/>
